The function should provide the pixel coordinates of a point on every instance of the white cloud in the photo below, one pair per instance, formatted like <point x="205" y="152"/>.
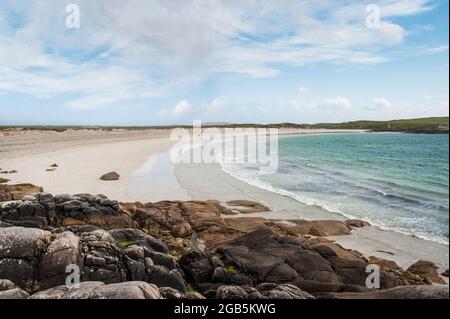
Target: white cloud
<point x="406" y="7"/>
<point x="435" y="50"/>
<point x="217" y="105"/>
<point x="180" y="111"/>
<point x="335" y="103"/>
<point x="380" y="103"/>
<point x="138" y="49"/>
<point x="391" y="33"/>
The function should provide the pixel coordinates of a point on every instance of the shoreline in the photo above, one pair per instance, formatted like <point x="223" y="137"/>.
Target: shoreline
<point x="405" y="252"/>
<point x="142" y="158"/>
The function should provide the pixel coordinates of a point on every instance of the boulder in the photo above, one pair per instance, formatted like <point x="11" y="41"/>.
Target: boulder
<point x="258" y="257"/>
<point x="320" y="228"/>
<point x="41" y="210"/>
<point x="340" y="251"/>
<point x="17" y="192"/>
<point x="8" y="290"/>
<point x="112" y="176"/>
<point x="356" y="223"/>
<point x="162" y="277"/>
<point x="20" y="250"/>
<point x="130" y="236"/>
<point x="170" y="293"/>
<point x="267" y="257"/>
<point x="262" y="291"/>
<point x="248" y="207"/>
<point x="406" y="277"/>
<point x="286" y="291"/>
<point x="15" y="293"/>
<point x="62" y="252"/>
<point x="353" y="271"/>
<point x="126" y="290"/>
<point x="98" y="290"/>
<point x="6" y="285"/>
<point x="428" y="271"/>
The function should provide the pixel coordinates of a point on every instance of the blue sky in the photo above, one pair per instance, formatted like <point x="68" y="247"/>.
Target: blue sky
<point x="166" y="62"/>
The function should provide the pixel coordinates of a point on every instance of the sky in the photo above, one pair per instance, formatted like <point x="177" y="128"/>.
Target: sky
<point x="159" y="62"/>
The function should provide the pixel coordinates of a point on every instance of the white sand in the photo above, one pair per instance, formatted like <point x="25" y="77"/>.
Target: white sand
<point x="83" y="156"/>
<point x="403" y="249"/>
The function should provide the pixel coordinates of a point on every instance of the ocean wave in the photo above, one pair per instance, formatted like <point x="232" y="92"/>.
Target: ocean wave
<point x="251" y="179"/>
<point x="382" y="193"/>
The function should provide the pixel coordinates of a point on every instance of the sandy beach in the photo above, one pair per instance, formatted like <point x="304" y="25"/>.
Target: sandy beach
<point x="83" y="156"/>
<point x="147" y="175"/>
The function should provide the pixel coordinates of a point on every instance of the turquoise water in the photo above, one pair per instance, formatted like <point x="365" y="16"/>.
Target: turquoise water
<point x="393" y="180"/>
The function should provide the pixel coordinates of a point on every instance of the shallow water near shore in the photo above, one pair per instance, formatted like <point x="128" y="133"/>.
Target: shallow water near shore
<point x="428" y="239"/>
<point x="154" y="180"/>
<point x="393" y="180"/>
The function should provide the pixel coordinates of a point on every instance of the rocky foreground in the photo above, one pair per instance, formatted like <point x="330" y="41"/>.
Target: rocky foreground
<point x="176" y="250"/>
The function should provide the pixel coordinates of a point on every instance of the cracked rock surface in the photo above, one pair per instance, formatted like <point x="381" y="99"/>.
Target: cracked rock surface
<point x="183" y="250"/>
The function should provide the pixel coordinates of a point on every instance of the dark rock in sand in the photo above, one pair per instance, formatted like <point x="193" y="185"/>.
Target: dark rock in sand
<point x="248" y="207"/>
<point x="320" y="228"/>
<point x="112" y="176"/>
<point x="445" y="273"/>
<point x="356" y="223"/>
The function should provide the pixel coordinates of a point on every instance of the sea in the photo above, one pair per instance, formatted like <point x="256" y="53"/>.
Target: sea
<point x="396" y="181"/>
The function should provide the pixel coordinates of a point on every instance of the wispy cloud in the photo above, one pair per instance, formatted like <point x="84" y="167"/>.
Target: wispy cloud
<point x="136" y="49"/>
<point x="435" y="50"/>
<point x="335" y="103"/>
<point x="379" y="103"/>
<point x="180" y="111"/>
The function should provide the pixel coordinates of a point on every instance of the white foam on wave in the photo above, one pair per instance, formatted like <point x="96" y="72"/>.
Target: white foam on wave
<point x="251" y="178"/>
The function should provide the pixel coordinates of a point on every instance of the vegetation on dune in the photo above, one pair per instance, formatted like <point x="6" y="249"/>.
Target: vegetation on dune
<point x="421" y="125"/>
<point x="424" y="124"/>
<point x="3" y="180"/>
